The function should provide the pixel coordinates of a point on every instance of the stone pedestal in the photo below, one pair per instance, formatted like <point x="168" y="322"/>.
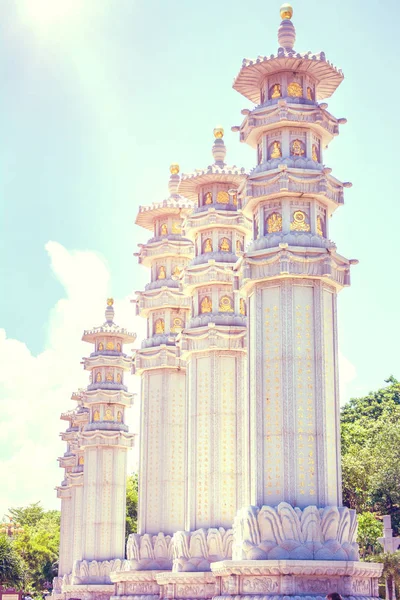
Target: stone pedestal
<point x="136" y="585"/>
<point x="300" y="579"/>
<point x="187" y="586"/>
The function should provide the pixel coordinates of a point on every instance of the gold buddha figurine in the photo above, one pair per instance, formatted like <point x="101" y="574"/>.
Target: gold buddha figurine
<point x="224" y="245"/>
<point x="275" y="150"/>
<point x="164" y="229"/>
<point x="161" y="273"/>
<point x="223" y="197"/>
<point x="242" y="306"/>
<point x="208" y="198"/>
<point x="110" y="346"/>
<point x="176" y="273"/>
<point x="309" y="94"/>
<point x="100" y="346"/>
<point x="295" y="90"/>
<point x="239" y="246"/>
<point x="119" y="378"/>
<point x="206" y="305"/>
<point x="177" y="325"/>
<point x="96" y="415"/>
<point x="276" y="91"/>
<point x="208" y="247"/>
<point x="119" y="416"/>
<point x="320" y="226"/>
<point x="81" y="461"/>
<point x="176" y="227"/>
<point x="274" y="223"/>
<point x="225" y="304"/>
<point x="108" y="416"/>
<point x="159" y="326"/>
<point x="109" y="376"/>
<point x="98" y="377"/>
<point x="314" y="153"/>
<point x="118" y="347"/>
<point x="297" y="148"/>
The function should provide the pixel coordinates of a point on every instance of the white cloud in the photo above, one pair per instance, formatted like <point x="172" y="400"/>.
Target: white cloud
<point x="34" y="390"/>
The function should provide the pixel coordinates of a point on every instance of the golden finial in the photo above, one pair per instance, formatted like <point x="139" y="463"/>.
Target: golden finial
<point x="110" y="301"/>
<point x="174" y="168"/>
<point x="218" y="131"/>
<point x="286" y="11"/>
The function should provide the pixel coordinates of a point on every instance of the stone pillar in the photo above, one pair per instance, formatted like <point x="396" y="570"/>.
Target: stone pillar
<point x="66" y="529"/>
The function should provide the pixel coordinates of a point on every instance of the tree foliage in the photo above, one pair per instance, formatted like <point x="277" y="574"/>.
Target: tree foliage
<point x="11" y="565"/>
<point x="370" y="429"/>
<point x="131" y="504"/>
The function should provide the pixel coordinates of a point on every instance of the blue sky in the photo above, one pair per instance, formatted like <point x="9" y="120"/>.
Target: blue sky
<point x="98" y="97"/>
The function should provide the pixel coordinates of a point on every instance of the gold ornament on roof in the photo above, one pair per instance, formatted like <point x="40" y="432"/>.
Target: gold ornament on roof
<point x="286" y="11"/>
<point x="274" y="223"/>
<point x="276" y="91"/>
<point x="218" y="132"/>
<point x="225" y="304"/>
<point x="224" y="245"/>
<point x="275" y="150"/>
<point x="295" y="90"/>
<point x="299" y="222"/>
<point x="206" y="305"/>
<point x="110" y="301"/>
<point x="174" y="169"/>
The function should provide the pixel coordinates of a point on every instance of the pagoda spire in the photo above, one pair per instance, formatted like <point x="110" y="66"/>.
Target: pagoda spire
<point x="286" y="31"/>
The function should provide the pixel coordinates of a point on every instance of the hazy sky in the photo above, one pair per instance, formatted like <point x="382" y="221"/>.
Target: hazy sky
<point x="98" y="97"/>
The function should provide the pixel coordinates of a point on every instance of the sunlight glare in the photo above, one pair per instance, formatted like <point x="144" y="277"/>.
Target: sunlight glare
<point x="46" y="13"/>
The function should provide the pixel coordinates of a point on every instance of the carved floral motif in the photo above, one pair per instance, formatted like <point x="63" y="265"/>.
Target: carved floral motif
<point x="194" y="551"/>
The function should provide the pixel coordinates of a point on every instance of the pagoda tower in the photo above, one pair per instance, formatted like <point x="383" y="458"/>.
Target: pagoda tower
<point x="213" y="345"/>
<point x="71" y="492"/>
<point x="163" y="465"/>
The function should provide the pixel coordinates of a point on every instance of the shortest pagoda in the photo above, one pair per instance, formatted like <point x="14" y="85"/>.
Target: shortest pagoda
<point x="93" y="513"/>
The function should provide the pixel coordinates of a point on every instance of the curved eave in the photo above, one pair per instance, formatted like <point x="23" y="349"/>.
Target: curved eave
<point x="253" y="72"/>
<point x="190" y="183"/>
<point x="93" y="334"/>
<point x="148" y="214"/>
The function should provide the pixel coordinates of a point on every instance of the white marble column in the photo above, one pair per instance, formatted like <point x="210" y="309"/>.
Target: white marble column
<point x="104" y="501"/>
<point x="293" y="388"/>
<point x="66" y="529"/>
<point x="162" y="472"/>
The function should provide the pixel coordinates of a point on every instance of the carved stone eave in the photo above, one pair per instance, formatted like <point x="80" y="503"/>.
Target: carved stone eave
<point x="248" y="82"/>
<point x="175" y="206"/>
<point x="281" y="262"/>
<point x="76" y="479"/>
<point x="68" y="436"/>
<point x="103" y="437"/>
<point x="157" y="357"/>
<point x="109" y="396"/>
<point x="163" y="248"/>
<point x="67" y="461"/>
<point x="284" y="114"/>
<point x="286" y="181"/>
<point x="123" y="362"/>
<point x="161" y="298"/>
<point x="207" y="273"/>
<point x="108" y="330"/>
<point x="190" y="183"/>
<point x="212" y="337"/>
<point x="64" y="491"/>
<point x="216" y="218"/>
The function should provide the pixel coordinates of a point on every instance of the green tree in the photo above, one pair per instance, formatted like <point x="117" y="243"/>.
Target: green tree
<point x="369" y="530"/>
<point x="131" y="504"/>
<point x="391" y="571"/>
<point x="11" y="566"/>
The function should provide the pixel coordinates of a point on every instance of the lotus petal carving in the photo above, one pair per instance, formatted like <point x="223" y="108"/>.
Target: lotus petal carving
<point x="149" y="552"/>
<point x="196" y="550"/>
<point x="285" y="532"/>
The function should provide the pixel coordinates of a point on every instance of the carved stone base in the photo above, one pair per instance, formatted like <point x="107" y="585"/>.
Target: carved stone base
<point x="187" y="586"/>
<point x="88" y="592"/>
<point x="135" y="585"/>
<point x="311" y="579"/>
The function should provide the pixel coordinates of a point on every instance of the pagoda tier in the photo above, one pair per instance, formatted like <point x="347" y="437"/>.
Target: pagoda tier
<point x="163" y="412"/>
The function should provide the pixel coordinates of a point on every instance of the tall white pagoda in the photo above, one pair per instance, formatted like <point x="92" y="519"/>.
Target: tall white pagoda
<point x="240" y="479"/>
